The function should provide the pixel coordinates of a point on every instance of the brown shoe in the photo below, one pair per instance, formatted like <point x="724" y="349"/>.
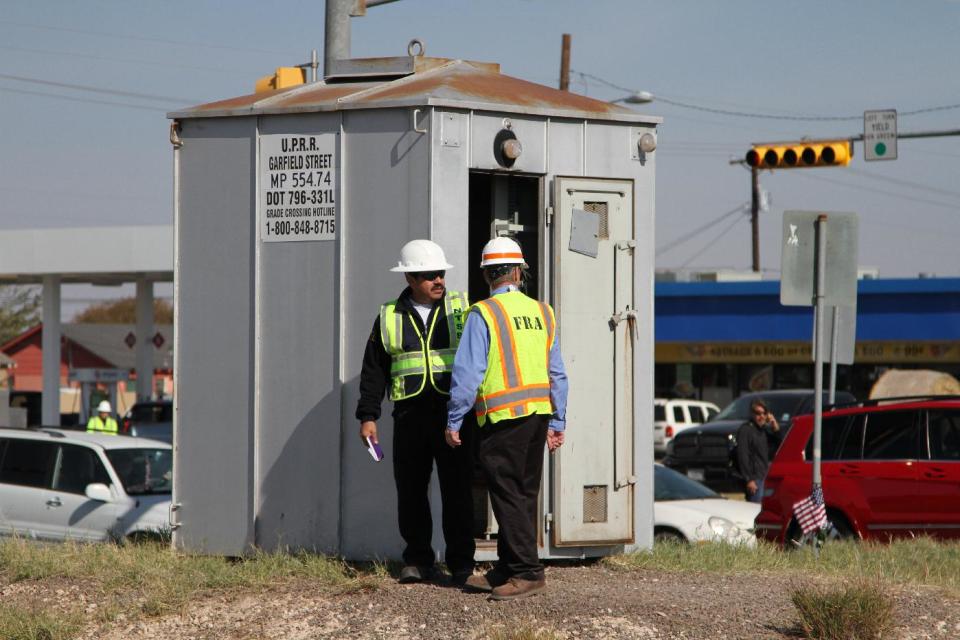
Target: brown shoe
<point x="478" y="583"/>
<point x="518" y="588"/>
<point x="485" y="583"/>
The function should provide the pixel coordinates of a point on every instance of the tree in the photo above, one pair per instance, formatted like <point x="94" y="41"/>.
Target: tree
<point x="19" y="310"/>
<point x="123" y="311"/>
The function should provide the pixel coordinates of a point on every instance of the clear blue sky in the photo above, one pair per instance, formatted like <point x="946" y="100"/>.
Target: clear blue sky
<point x="67" y="162"/>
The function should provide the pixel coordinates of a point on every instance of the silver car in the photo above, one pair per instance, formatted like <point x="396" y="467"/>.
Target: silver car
<point x="69" y="485"/>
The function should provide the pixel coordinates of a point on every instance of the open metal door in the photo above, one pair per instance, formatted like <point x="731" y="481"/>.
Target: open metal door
<point x="593" y="272"/>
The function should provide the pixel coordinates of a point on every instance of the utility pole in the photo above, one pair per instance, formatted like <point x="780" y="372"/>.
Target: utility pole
<point x="565" y="63"/>
<point x="755" y="216"/>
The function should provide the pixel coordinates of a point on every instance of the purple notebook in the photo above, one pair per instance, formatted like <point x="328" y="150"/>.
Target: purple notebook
<point x="374" y="449"/>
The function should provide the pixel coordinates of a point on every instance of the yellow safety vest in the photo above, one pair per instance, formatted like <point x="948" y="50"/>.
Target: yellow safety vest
<point x="409" y="370"/>
<point x="96" y="425"/>
<point x="517" y="381"/>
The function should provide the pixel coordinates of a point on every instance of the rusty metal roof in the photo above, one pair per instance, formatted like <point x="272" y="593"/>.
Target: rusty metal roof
<point x="445" y="83"/>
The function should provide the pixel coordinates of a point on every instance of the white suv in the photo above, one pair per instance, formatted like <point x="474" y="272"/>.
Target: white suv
<point x="670" y="417"/>
<point x="58" y="485"/>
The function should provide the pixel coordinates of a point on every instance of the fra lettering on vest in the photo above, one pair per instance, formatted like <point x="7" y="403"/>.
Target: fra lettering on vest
<point x="526" y="322"/>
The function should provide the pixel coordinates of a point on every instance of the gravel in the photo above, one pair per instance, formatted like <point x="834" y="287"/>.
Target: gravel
<point x="581" y="601"/>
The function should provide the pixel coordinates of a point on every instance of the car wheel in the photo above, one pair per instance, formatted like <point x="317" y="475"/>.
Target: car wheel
<point x="669" y="536"/>
<point x="147" y="537"/>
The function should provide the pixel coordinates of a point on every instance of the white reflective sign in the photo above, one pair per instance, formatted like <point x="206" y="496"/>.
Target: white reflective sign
<point x="880" y="135"/>
<point x="298" y="187"/>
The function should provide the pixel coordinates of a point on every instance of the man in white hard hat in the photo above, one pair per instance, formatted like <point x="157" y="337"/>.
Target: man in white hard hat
<point x="102" y="422"/>
<point x="508" y="369"/>
<point x="410" y="356"/>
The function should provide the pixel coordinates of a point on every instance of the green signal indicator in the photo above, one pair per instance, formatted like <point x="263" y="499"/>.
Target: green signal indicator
<point x="880" y="149"/>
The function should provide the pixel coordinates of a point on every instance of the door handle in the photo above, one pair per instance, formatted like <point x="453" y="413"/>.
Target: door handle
<point x="54" y="502"/>
<point x="934" y="474"/>
<point x="850" y="471"/>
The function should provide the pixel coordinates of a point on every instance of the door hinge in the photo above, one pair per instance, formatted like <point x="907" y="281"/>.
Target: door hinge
<point x="549" y="216"/>
<point x="174" y="508"/>
<point x="547" y="520"/>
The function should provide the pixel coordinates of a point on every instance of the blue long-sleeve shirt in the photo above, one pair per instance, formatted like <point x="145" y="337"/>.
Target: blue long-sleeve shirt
<point x="470" y="367"/>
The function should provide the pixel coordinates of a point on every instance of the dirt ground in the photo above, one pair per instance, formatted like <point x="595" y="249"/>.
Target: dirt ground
<point x="583" y="601"/>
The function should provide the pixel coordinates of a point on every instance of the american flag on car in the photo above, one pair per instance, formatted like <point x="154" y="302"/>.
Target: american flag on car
<point x="810" y="512"/>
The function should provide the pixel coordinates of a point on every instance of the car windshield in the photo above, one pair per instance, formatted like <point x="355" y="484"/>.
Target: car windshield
<point x="143" y="471"/>
<point x="780" y="406"/>
<point x="670" y="485"/>
<point x="153" y="412"/>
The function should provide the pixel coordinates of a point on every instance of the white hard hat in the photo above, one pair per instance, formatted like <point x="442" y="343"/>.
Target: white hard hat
<point x="104" y="407"/>
<point x="501" y="250"/>
<point x="421" y="255"/>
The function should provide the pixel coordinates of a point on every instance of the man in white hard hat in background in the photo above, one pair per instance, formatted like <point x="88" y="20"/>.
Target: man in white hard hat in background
<point x="102" y="422"/>
<point x="410" y="356"/>
<point x="509" y="370"/>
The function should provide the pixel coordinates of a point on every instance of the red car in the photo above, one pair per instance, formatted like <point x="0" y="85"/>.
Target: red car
<point x="890" y="469"/>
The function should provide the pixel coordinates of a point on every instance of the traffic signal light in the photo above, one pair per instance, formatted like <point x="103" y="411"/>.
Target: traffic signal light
<point x="795" y="155"/>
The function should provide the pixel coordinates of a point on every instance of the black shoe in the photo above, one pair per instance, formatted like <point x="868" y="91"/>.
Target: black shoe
<point x="411" y="574"/>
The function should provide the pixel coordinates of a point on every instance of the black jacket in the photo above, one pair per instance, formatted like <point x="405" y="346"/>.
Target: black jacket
<point x="753" y="451"/>
<point x="375" y="374"/>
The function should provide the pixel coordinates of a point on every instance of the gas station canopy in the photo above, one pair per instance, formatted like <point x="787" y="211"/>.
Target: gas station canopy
<point x="97" y="255"/>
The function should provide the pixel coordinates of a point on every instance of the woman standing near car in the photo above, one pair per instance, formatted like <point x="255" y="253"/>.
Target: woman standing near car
<point x="753" y="449"/>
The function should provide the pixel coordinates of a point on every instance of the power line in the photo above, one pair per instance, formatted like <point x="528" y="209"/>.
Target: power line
<point x="874" y="190"/>
<point x="79" y="99"/>
<point x="716" y="239"/>
<point x="905" y="183"/>
<point x="205" y="45"/>
<point x="765" y="116"/>
<point x="87" y="56"/>
<point x="698" y="230"/>
<point x="92" y="89"/>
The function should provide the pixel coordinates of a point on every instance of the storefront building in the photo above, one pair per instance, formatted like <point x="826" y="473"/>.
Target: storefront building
<point x="717" y="340"/>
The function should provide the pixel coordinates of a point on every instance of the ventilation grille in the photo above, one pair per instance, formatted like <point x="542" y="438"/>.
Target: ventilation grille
<point x="599" y="208"/>
<point x="595" y="503"/>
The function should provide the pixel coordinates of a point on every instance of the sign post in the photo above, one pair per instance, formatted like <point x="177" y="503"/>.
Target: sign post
<point x="819" y="267"/>
<point x="880" y="135"/>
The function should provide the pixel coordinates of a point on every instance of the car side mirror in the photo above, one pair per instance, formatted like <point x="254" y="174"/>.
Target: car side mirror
<point x="99" y="492"/>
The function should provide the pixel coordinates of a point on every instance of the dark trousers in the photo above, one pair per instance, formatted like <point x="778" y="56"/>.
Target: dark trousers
<point x="511" y="456"/>
<point x="418" y="442"/>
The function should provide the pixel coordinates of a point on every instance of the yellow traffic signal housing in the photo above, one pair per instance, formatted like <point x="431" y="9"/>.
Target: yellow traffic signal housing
<point x="796" y="155"/>
<point x="283" y="78"/>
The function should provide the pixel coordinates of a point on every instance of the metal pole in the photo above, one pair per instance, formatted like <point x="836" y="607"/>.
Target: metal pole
<point x="314" y="65"/>
<point x="820" y="280"/>
<point x="144" y="354"/>
<point x="50" y="344"/>
<point x="834" y="345"/>
<point x="336" y="30"/>
<point x="942" y="133"/>
<point x="755" y="215"/>
<point x="565" y="63"/>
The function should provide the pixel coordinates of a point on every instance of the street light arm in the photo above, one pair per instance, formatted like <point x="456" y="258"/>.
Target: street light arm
<point x="640" y="97"/>
<point x="373" y="3"/>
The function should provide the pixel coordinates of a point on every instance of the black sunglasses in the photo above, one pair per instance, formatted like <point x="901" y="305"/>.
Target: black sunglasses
<point x="430" y="275"/>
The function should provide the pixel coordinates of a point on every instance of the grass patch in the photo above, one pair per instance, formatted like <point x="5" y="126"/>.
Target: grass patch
<point x="152" y="579"/>
<point x="523" y="631"/>
<point x="859" y="611"/>
<point x="17" y="623"/>
<point x="916" y="561"/>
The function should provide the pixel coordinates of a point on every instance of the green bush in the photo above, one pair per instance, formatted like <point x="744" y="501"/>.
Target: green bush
<point x="858" y="611"/>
